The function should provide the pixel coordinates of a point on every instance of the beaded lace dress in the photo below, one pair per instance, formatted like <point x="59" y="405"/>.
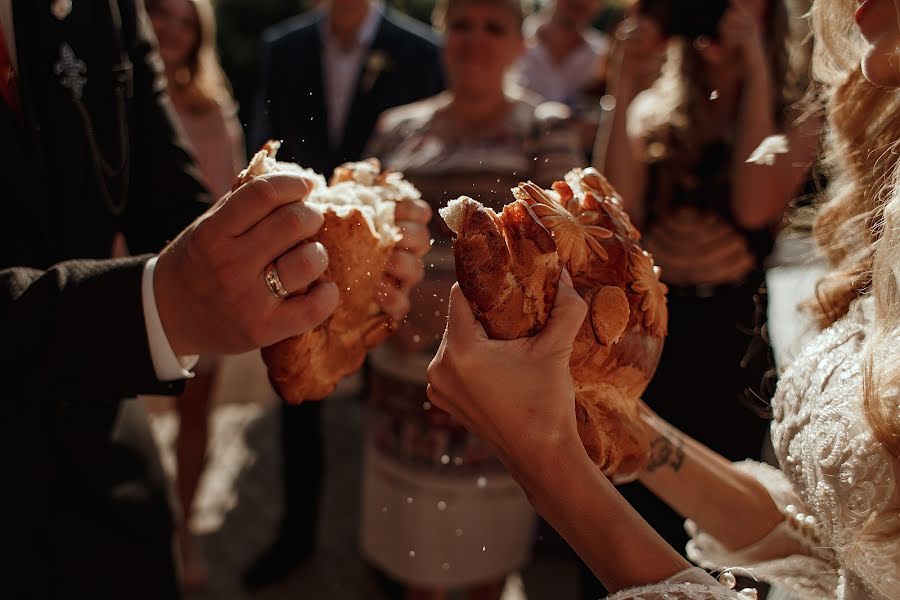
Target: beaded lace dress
<point x="837" y="490"/>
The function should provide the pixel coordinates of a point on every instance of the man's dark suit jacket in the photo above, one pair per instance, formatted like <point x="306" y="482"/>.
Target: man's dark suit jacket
<point x="87" y="515"/>
<point x="53" y="206"/>
<point x="292" y="107"/>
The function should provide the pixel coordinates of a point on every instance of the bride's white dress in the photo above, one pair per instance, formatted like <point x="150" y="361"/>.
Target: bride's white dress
<point x="837" y="489"/>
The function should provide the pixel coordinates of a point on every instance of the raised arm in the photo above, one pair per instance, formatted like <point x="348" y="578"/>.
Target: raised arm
<point x="619" y="153"/>
<point x="762" y="192"/>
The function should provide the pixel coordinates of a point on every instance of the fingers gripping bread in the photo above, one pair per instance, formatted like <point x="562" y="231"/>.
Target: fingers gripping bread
<point x="359" y="234"/>
<point x="506" y="265"/>
<point x="509" y="265"/>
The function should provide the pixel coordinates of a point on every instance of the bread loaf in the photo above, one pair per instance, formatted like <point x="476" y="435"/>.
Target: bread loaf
<point x="359" y="234"/>
<point x="509" y="265"/>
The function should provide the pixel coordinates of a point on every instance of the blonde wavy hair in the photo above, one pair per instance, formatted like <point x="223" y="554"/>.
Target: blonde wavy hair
<point x="203" y="84"/>
<point x="859" y="227"/>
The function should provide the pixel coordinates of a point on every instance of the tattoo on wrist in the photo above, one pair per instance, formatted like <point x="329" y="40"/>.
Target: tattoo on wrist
<point x="666" y="450"/>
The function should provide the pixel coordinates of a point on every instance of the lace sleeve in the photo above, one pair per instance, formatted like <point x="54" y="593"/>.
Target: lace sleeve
<point x="791" y="556"/>
<point x="692" y="584"/>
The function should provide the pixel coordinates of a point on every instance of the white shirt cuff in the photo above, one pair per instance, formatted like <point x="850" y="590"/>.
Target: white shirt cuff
<point x="168" y="367"/>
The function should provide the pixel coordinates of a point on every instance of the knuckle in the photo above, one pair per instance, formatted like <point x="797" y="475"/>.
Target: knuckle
<point x="315" y="218"/>
<point x="203" y="243"/>
<point x="304" y="221"/>
<point x="295" y="224"/>
<point x="263" y="189"/>
<point x="223" y="274"/>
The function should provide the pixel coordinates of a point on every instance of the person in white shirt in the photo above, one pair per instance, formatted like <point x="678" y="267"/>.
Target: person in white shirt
<point x="565" y="56"/>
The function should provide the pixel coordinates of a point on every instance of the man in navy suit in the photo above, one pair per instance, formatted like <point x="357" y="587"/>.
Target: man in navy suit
<point x="326" y="78"/>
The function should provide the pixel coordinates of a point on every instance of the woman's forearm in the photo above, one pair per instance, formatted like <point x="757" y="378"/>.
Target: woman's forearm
<point x="620" y="548"/>
<point x="705" y="487"/>
<point x="616" y="156"/>
<point x="759" y="194"/>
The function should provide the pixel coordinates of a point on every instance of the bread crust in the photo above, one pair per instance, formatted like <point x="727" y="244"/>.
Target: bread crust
<point x="359" y="239"/>
<point x="502" y="260"/>
<point x="507" y="267"/>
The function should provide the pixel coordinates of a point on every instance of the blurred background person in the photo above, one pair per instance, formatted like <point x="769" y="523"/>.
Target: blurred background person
<point x="326" y="78"/>
<point x="358" y="58"/>
<point x="206" y="110"/>
<point x="240" y="25"/>
<point x="439" y="512"/>
<point x="565" y="55"/>
<point x="186" y="31"/>
<point x="565" y="60"/>
<point x="678" y="154"/>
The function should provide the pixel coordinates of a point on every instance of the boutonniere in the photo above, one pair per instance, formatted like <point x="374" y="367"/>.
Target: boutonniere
<point x="376" y="63"/>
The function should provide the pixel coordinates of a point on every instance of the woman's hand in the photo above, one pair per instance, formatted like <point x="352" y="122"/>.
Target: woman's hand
<point x="740" y="31"/>
<point x="638" y="55"/>
<point x="516" y="395"/>
<point x="405" y="268"/>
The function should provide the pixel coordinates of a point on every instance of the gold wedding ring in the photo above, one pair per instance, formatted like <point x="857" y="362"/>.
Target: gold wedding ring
<point x="274" y="282"/>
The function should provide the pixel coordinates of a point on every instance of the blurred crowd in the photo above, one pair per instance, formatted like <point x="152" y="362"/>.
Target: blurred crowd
<point x="667" y="102"/>
<point x="469" y="97"/>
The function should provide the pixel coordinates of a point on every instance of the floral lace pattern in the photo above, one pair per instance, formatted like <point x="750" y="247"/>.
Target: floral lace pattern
<point x="837" y="481"/>
<point x="826" y="448"/>
<point x="692" y="584"/>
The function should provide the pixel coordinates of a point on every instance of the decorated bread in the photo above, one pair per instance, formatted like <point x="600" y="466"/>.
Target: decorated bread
<point x="508" y="267"/>
<point x="359" y="234"/>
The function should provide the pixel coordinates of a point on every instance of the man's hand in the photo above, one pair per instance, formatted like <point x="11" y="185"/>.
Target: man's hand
<point x="210" y="282"/>
<point x="405" y="268"/>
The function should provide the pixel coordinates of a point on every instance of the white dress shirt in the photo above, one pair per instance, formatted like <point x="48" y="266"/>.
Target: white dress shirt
<point x="167" y="366"/>
<point x="561" y="82"/>
<point x="341" y="69"/>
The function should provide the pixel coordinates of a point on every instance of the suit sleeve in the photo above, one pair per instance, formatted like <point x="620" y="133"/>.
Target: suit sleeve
<point x="76" y="331"/>
<point x="165" y="193"/>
